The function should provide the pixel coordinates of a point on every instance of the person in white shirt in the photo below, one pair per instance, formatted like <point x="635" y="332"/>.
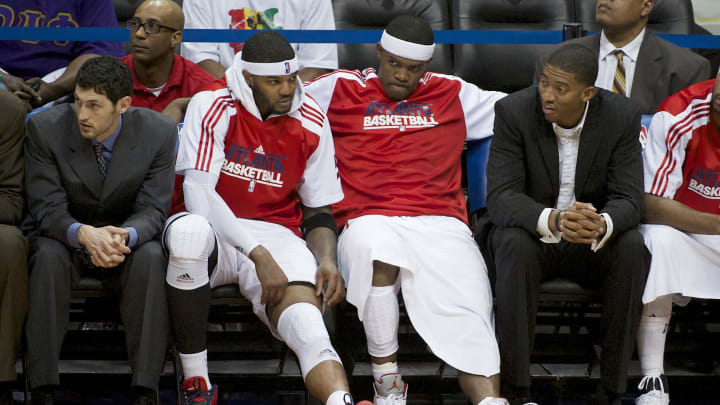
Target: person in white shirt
<point x="314" y="59"/>
<point x="634" y="62"/>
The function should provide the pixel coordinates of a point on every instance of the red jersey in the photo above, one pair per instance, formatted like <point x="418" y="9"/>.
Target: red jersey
<point x="682" y="153"/>
<point x="186" y="79"/>
<point x="265" y="168"/>
<point x="402" y="158"/>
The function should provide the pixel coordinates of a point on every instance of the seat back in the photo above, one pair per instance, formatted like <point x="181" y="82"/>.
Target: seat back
<point x="501" y="66"/>
<point x="666" y="17"/>
<point x="375" y="15"/>
<point x="476" y="158"/>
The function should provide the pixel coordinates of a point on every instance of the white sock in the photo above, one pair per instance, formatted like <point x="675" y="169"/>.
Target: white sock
<point x="340" y="398"/>
<point x="651" y="344"/>
<point x="379" y="370"/>
<point x="654" y="323"/>
<point x="195" y="365"/>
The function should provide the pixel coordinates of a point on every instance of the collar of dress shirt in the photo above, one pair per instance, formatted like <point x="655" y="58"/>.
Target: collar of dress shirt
<point x="630" y="50"/>
<point x="109" y="143"/>
<point x="561" y="132"/>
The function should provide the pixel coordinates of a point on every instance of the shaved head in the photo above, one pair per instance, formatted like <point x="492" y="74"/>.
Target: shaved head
<point x="169" y="12"/>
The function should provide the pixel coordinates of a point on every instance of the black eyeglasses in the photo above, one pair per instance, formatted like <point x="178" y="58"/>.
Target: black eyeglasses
<point x="150" y="27"/>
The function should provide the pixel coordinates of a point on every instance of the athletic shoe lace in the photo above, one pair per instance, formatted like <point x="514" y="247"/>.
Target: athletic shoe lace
<point x="196" y="395"/>
<point x="649" y="382"/>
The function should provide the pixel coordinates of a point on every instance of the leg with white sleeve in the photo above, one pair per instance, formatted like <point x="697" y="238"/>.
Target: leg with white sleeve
<point x="190" y="241"/>
<point x="380" y="321"/>
<point x="299" y="322"/>
<point x="651" y="350"/>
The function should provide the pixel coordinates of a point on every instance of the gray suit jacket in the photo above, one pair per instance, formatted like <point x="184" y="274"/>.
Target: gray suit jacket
<point x="63" y="182"/>
<point x="523" y="173"/>
<point x="662" y="69"/>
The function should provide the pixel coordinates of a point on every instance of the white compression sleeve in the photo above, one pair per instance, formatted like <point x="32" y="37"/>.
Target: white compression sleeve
<point x="202" y="199"/>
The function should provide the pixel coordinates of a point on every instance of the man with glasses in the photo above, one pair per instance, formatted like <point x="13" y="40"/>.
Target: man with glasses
<point x="162" y="80"/>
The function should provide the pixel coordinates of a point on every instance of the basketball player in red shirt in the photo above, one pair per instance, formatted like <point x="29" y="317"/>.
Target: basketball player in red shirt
<point x="399" y="133"/>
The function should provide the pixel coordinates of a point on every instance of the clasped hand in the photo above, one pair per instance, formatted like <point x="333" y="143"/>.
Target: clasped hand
<point x="581" y="223"/>
<point x="106" y="245"/>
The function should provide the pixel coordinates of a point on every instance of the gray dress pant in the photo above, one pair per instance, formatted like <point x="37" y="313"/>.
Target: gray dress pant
<point x="139" y="283"/>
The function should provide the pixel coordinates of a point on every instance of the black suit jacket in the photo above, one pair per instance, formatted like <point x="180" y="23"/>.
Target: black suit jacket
<point x="63" y="182"/>
<point x="523" y="174"/>
<point x="662" y="69"/>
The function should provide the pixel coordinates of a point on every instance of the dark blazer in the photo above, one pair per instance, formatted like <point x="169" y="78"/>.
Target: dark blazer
<point x="12" y="134"/>
<point x="63" y="182"/>
<point x="522" y="171"/>
<point x="662" y="69"/>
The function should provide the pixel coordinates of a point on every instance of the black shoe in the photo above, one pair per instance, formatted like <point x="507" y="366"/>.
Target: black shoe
<point x="6" y="397"/>
<point x="43" y="396"/>
<point x="143" y="396"/>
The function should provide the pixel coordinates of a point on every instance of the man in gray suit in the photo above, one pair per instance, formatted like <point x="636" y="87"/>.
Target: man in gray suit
<point x="13" y="263"/>
<point x="565" y="196"/>
<point x="99" y="179"/>
<point x="635" y="62"/>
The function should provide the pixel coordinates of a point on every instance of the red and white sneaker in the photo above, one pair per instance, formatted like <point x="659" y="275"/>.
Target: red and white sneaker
<point x="196" y="392"/>
<point x="394" y="389"/>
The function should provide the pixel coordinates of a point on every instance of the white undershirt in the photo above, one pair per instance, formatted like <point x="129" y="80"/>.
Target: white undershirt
<point x="157" y="90"/>
<point x="568" y="141"/>
<point x="607" y="62"/>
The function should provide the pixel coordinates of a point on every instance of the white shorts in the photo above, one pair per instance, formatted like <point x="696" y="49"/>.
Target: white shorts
<point x="443" y="279"/>
<point x="289" y="251"/>
<point x="684" y="264"/>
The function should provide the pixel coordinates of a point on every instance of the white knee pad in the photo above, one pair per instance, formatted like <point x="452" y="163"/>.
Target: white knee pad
<point x="190" y="241"/>
<point x="381" y="318"/>
<point x="660" y="308"/>
<point x="302" y="328"/>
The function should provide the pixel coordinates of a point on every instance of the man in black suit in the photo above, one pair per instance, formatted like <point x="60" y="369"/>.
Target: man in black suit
<point x="652" y="67"/>
<point x="565" y="192"/>
<point x="99" y="178"/>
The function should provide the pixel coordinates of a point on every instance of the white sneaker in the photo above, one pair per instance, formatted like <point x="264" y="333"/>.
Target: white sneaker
<point x="654" y="391"/>
<point x="494" y="401"/>
<point x="394" y="388"/>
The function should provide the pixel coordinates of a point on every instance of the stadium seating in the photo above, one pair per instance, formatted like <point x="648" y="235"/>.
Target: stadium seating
<point x="376" y="14"/>
<point x="666" y="17"/>
<point x="500" y="66"/>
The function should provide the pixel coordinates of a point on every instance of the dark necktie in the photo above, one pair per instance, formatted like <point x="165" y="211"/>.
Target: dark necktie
<point x="98" y="147"/>
<point x="619" y="80"/>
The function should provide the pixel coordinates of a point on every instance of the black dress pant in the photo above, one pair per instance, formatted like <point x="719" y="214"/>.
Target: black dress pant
<point x="619" y="270"/>
<point x="140" y="284"/>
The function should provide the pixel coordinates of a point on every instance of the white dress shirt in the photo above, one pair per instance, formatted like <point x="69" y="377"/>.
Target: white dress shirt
<point x="607" y="62"/>
<point x="568" y="141"/>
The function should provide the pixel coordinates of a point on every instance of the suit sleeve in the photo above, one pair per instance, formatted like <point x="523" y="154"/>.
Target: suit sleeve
<point x="507" y="202"/>
<point x="701" y="72"/>
<point x="12" y="134"/>
<point x="153" y="200"/>
<point x="625" y="177"/>
<point x="46" y="197"/>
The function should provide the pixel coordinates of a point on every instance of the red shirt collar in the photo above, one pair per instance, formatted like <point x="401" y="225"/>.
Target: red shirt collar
<point x="176" y="74"/>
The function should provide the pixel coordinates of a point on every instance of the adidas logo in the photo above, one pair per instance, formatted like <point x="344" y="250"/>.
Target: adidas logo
<point x="259" y="150"/>
<point x="327" y="353"/>
<point x="185" y="278"/>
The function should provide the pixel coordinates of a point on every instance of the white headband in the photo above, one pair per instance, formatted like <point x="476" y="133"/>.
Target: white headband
<point x="271" y="69"/>
<point x="405" y="49"/>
